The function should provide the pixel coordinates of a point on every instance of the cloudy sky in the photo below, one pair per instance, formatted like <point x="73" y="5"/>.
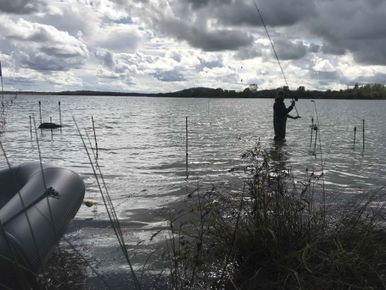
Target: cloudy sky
<point x="168" y="45"/>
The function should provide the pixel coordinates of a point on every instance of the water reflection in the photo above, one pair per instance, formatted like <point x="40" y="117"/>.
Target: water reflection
<point x="278" y="153"/>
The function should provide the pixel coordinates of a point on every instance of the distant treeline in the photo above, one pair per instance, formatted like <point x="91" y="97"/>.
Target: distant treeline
<point x="368" y="91"/>
<point x="80" y="93"/>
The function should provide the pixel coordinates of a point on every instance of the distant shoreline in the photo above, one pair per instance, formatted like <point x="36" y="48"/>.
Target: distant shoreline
<point x="367" y="92"/>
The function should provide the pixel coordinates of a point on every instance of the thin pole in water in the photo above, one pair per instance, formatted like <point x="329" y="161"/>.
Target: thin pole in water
<point x="316" y="138"/>
<point x="30" y="125"/>
<point x="60" y="115"/>
<point x="355" y="135"/>
<point x="363" y="134"/>
<point x="95" y="139"/>
<point x="187" y="147"/>
<point x="312" y="130"/>
<point x="52" y="131"/>
<point x="40" y="111"/>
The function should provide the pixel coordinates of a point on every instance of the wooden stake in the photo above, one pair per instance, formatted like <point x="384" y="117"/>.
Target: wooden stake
<point x="312" y="130"/>
<point x="187" y="147"/>
<point x="60" y="115"/>
<point x="363" y="134"/>
<point x="95" y="139"/>
<point x="355" y="135"/>
<point x="30" y="125"/>
<point x="316" y="138"/>
<point x="52" y="131"/>
<point x="40" y="111"/>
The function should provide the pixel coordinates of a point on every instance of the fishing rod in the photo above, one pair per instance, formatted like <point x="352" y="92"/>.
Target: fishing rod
<point x="275" y="53"/>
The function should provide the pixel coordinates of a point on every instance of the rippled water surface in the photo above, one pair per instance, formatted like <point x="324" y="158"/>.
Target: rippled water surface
<point x="142" y="151"/>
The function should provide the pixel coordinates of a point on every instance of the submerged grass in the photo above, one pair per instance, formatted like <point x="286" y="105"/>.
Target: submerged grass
<point x="273" y="234"/>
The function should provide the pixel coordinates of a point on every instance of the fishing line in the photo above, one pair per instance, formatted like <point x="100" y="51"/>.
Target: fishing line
<point x="274" y="50"/>
<point x="108" y="205"/>
<point x="321" y="161"/>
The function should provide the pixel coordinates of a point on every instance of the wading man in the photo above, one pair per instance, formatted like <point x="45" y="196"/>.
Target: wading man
<point x="280" y="115"/>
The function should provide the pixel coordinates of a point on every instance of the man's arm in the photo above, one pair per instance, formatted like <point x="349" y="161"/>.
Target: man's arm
<point x="289" y="109"/>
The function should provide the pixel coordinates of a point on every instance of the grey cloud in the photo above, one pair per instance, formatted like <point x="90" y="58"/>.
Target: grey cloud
<point x="356" y="26"/>
<point x="333" y="48"/>
<point x="344" y="25"/>
<point x="248" y="53"/>
<point x="314" y="48"/>
<point x="59" y="51"/>
<point x="73" y="21"/>
<point x="119" y="41"/>
<point x="197" y="4"/>
<point x="201" y="37"/>
<point x="47" y="37"/>
<point x="376" y="55"/>
<point x="289" y="50"/>
<point x="43" y="47"/>
<point x="326" y="78"/>
<point x="106" y="57"/>
<point x="274" y="12"/>
<point x="42" y="62"/>
<point x="193" y="27"/>
<point x="378" y="78"/>
<point x="169" y="76"/>
<point x="209" y="64"/>
<point x="21" y="6"/>
<point x="219" y="40"/>
<point x="284" y="13"/>
<point x="176" y="56"/>
<point x="20" y="81"/>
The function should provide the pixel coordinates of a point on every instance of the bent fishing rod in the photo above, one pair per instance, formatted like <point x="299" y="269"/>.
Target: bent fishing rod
<point x="275" y="53"/>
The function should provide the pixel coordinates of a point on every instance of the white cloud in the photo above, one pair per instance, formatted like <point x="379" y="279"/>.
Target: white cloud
<point x="43" y="39"/>
<point x="153" y="45"/>
<point x="323" y="65"/>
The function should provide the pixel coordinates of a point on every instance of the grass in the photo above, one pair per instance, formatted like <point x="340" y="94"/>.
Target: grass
<point x="273" y="234"/>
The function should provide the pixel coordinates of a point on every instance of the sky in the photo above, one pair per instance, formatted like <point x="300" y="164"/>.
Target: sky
<point x="168" y="45"/>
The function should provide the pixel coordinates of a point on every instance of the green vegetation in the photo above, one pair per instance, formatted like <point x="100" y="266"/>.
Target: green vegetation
<point x="273" y="234"/>
<point x="369" y="91"/>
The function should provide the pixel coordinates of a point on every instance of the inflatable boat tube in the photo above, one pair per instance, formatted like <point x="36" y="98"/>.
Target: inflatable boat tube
<point x="36" y="206"/>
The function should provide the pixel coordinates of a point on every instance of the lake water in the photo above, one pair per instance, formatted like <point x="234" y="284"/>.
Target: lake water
<point x="142" y="151"/>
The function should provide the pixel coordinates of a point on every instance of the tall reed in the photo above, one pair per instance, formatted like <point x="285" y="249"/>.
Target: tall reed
<point x="274" y="234"/>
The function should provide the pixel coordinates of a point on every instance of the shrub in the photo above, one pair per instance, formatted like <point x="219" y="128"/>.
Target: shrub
<point x="272" y="234"/>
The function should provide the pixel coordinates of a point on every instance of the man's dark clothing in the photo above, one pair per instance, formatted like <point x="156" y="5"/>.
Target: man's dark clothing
<point x="280" y="113"/>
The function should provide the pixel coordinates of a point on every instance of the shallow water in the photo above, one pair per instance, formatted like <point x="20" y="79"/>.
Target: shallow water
<point x="142" y="153"/>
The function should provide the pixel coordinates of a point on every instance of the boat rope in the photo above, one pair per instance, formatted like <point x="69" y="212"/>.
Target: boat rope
<point x="110" y="210"/>
<point x="274" y="50"/>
